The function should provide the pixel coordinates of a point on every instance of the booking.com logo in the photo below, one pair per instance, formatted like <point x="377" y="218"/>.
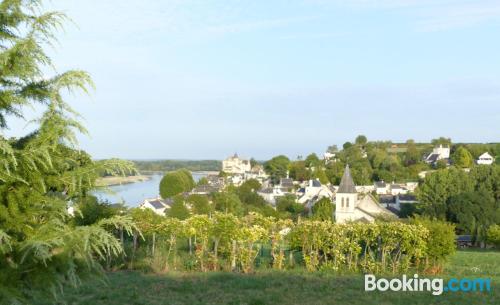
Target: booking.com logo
<point x="436" y="286"/>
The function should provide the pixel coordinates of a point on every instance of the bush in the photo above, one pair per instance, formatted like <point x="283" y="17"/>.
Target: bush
<point x="493" y="235"/>
<point x="441" y="240"/>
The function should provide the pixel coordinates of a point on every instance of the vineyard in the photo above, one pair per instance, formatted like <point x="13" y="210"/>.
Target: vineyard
<point x="224" y="242"/>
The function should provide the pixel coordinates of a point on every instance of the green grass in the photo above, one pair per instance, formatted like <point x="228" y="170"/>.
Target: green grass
<point x="287" y="287"/>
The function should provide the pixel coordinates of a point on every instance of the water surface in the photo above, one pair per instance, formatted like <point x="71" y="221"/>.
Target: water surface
<point x="132" y="194"/>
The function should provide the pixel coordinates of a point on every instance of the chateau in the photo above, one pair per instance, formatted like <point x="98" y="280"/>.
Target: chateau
<point x="235" y="165"/>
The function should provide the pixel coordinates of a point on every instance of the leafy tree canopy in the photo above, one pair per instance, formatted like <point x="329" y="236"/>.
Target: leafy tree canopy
<point x="43" y="173"/>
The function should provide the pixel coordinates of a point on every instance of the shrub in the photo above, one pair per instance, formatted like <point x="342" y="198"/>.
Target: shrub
<point x="493" y="235"/>
<point x="441" y="240"/>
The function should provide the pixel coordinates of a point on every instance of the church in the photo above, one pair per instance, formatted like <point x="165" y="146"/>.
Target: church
<point x="351" y="206"/>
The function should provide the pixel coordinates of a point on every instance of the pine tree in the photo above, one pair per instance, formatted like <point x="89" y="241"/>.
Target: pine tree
<point x="41" y="250"/>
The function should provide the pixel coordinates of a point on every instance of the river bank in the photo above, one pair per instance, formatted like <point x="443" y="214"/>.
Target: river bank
<point x="119" y="180"/>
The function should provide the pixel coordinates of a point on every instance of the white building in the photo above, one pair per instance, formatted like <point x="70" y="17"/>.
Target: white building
<point x="235" y="165"/>
<point x="157" y="205"/>
<point x="314" y="190"/>
<point x="270" y="194"/>
<point x="381" y="187"/>
<point x="485" y="159"/>
<point x="438" y="153"/>
<point x="353" y="207"/>
<point x="257" y="172"/>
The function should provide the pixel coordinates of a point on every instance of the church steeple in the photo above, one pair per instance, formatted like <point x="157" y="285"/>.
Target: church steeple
<point x="346" y="183"/>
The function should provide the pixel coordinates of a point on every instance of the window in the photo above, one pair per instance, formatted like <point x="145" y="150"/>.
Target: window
<point x="342" y="201"/>
<point x="347" y="204"/>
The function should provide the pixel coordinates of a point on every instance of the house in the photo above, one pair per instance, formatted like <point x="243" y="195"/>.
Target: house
<point x="485" y="159"/>
<point x="215" y="180"/>
<point x="270" y="194"/>
<point x="393" y="202"/>
<point x="438" y="153"/>
<point x="235" y="165"/>
<point x="157" y="205"/>
<point x="397" y="189"/>
<point x="313" y="189"/>
<point x="286" y="183"/>
<point x="405" y="199"/>
<point x="380" y="187"/>
<point x="387" y="201"/>
<point x="351" y="206"/>
<point x="205" y="189"/>
<point x="256" y="172"/>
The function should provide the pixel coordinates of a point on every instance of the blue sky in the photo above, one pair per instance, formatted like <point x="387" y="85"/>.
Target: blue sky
<point x="201" y="79"/>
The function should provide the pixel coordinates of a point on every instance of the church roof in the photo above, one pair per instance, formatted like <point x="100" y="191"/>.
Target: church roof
<point x="346" y="183"/>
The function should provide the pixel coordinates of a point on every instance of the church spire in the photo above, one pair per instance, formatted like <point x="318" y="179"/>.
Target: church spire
<point x="346" y="183"/>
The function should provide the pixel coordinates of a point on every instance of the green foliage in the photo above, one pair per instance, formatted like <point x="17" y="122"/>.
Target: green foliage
<point x="178" y="209"/>
<point x="199" y="204"/>
<point x="493" y="235"/>
<point x="440" y="243"/>
<point x="173" y="165"/>
<point x="277" y="167"/>
<point x="373" y="248"/>
<point x="248" y="196"/>
<point x="320" y="174"/>
<point x="298" y="171"/>
<point x="462" y="158"/>
<point x="202" y="181"/>
<point x="289" y="207"/>
<point x="228" y="203"/>
<point x="438" y="187"/>
<point x="312" y="160"/>
<point x="474" y="212"/>
<point x="361" y="140"/>
<point x="323" y="210"/>
<point x="90" y="211"/>
<point x="293" y="287"/>
<point x="441" y="141"/>
<point x="347" y="145"/>
<point x="175" y="183"/>
<point x="41" y="248"/>
<point x="332" y="149"/>
<point x="470" y="200"/>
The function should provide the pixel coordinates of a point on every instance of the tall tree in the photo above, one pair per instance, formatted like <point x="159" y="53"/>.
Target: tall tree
<point x="361" y="140"/>
<point x="174" y="183"/>
<point x="438" y="187"/>
<point x="277" y="167"/>
<point x="43" y="172"/>
<point x="462" y="158"/>
<point x="474" y="213"/>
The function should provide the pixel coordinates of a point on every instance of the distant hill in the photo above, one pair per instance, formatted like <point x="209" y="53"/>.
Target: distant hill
<point x="145" y="166"/>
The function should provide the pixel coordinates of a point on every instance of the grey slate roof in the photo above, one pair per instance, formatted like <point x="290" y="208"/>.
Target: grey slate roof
<point x="157" y="204"/>
<point x="380" y="184"/>
<point x="346" y="183"/>
<point x="432" y="158"/>
<point x="387" y="199"/>
<point x="407" y="197"/>
<point x="268" y="190"/>
<point x="286" y="182"/>
<point x="316" y="183"/>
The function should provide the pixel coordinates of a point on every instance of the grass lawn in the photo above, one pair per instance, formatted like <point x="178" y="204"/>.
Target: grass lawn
<point x="287" y="287"/>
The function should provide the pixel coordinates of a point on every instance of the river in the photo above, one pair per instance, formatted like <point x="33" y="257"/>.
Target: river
<point x="132" y="194"/>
